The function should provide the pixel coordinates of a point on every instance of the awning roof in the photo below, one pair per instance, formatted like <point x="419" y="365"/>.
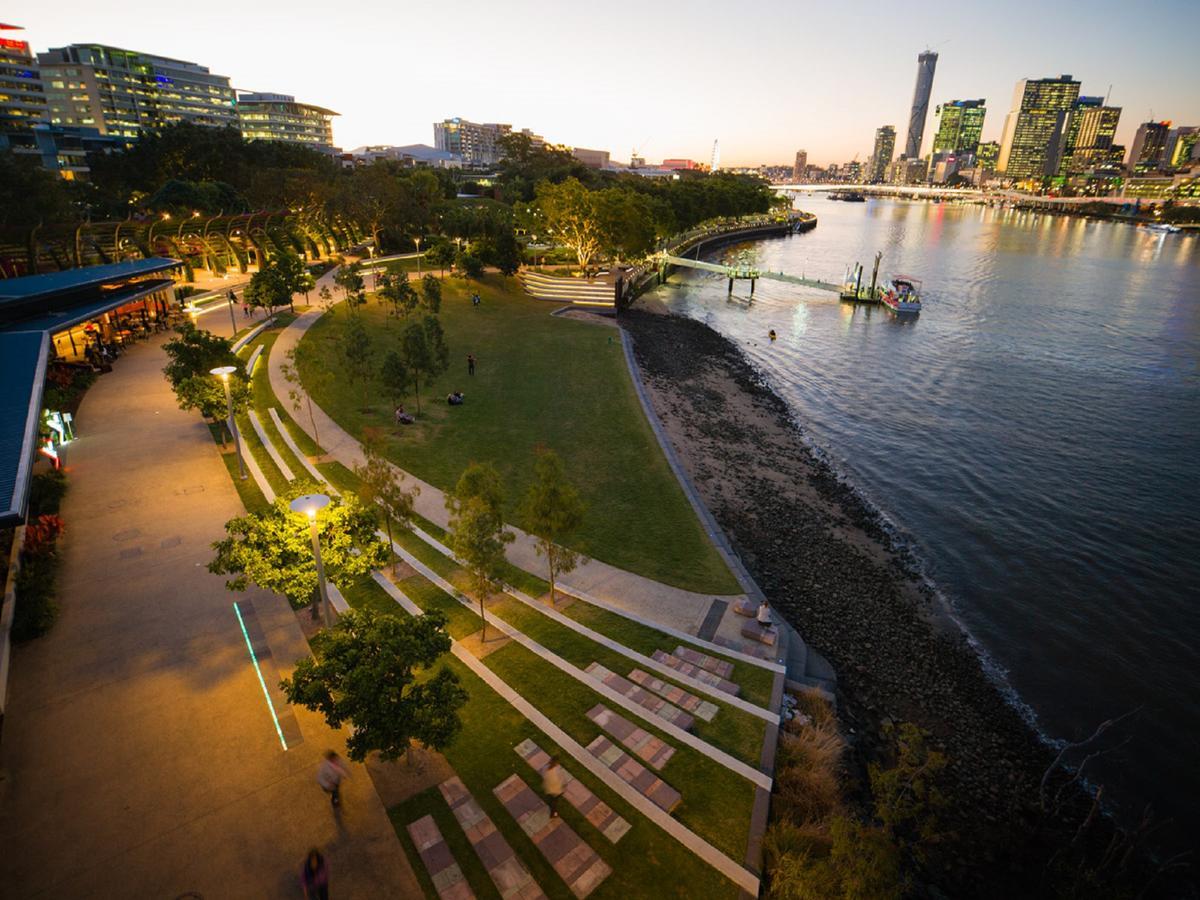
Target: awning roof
<point x="61" y="319"/>
<point x="23" y="373"/>
<point x="31" y="287"/>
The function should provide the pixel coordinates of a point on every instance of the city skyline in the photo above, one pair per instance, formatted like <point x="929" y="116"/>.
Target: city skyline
<point x="668" y="107"/>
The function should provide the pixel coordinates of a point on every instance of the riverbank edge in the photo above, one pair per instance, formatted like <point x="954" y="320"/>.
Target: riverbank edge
<point x="998" y="811"/>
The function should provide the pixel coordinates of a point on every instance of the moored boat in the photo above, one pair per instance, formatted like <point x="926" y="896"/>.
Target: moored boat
<point x="904" y="296"/>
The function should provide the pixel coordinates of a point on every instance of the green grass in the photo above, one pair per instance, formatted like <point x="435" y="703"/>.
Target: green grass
<point x="540" y="381"/>
<point x="483" y="757"/>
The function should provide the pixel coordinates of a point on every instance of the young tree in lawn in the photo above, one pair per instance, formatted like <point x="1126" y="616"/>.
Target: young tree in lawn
<point x="571" y="215"/>
<point x="469" y="266"/>
<point x="196" y="352"/>
<point x="349" y="279"/>
<point x="301" y="396"/>
<point x="357" y="352"/>
<point x="477" y="534"/>
<point x="326" y="298"/>
<point x="431" y="295"/>
<point x="206" y="393"/>
<point x="553" y="511"/>
<point x="305" y="284"/>
<point x="441" y="253"/>
<point x="400" y="294"/>
<point x="272" y="549"/>
<point x="291" y="273"/>
<point x="506" y="253"/>
<point x="394" y="375"/>
<point x="268" y="289"/>
<point x="381" y="487"/>
<point x="424" y="352"/>
<point x="368" y="672"/>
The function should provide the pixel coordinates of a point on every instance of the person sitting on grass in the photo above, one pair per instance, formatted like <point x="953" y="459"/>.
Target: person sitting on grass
<point x="455" y="399"/>
<point x="403" y="418"/>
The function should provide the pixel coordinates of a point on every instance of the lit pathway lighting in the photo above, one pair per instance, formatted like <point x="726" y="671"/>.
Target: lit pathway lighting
<point x="417" y="239"/>
<point x="309" y="505"/>
<point x="225" y="372"/>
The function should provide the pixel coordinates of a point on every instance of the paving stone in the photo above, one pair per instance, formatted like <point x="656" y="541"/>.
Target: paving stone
<point x="720" y="667"/>
<point x="595" y="810"/>
<point x="448" y="879"/>
<point x="652" y="750"/>
<point x="694" y="671"/>
<point x="630" y="770"/>
<point x="641" y="697"/>
<point x="697" y="706"/>
<point x="579" y="866"/>
<point x="511" y="878"/>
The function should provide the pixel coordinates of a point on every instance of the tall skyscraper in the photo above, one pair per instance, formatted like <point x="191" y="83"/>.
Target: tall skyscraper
<point x="960" y="123"/>
<point x="801" y="165"/>
<point x="885" y="146"/>
<point x="123" y="93"/>
<point x="1033" y="130"/>
<point x="1149" y="147"/>
<point x="926" y="63"/>
<point x="1180" y="144"/>
<point x="1090" y="137"/>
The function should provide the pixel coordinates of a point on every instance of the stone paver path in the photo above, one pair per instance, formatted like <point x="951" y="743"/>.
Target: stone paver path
<point x="651" y="750"/>
<point x="591" y="807"/>
<point x="511" y="878"/>
<point x="640" y="696"/>
<point x="448" y="879"/>
<point x="630" y="770"/>
<point x="701" y="709"/>
<point x="694" y="671"/>
<point x="720" y="667"/>
<point x="575" y="862"/>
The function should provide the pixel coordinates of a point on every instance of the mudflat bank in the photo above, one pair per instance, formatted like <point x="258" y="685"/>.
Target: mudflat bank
<point x="824" y="561"/>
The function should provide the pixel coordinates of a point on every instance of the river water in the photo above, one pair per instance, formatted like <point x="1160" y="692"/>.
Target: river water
<point x="1034" y="433"/>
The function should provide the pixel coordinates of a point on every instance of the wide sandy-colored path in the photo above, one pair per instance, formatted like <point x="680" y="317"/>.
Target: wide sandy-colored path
<point x="140" y="758"/>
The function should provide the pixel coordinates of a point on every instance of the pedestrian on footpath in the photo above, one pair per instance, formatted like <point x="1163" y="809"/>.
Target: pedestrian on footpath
<point x="552" y="785"/>
<point x="331" y="775"/>
<point x="314" y="877"/>
<point x="470" y="363"/>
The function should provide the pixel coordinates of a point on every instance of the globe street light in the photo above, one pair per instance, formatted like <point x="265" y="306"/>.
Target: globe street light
<point x="309" y="505"/>
<point x="225" y="372"/>
<point x="417" y="240"/>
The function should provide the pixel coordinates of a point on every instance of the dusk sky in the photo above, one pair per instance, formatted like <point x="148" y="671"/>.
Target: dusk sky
<point x="765" y="78"/>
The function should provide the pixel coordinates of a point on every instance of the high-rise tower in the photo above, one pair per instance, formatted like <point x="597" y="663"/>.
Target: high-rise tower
<point x="1033" y="130"/>
<point x="926" y="63"/>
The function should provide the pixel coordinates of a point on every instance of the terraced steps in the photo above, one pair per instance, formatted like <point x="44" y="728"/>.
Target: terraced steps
<point x="694" y="671"/>
<point x="448" y="879"/>
<point x="635" y="774"/>
<point x="511" y="878"/>
<point x="591" y="807"/>
<point x="643" y="698"/>
<point x="701" y="709"/>
<point x="653" y="751"/>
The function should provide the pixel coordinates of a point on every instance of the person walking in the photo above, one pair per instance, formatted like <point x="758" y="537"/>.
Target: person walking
<point x="314" y="877"/>
<point x="552" y="785"/>
<point x="330" y="776"/>
<point x="470" y="363"/>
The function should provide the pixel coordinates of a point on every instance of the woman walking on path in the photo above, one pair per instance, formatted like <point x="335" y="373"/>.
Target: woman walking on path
<point x="314" y="877"/>
<point x="552" y="785"/>
<point x="330" y="777"/>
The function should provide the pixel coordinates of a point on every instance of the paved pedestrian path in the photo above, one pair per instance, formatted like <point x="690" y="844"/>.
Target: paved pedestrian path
<point x="577" y="864"/>
<point x="591" y="807"/>
<point x="511" y="878"/>
<point x="671" y="606"/>
<point x="140" y="752"/>
<point x="448" y="879"/>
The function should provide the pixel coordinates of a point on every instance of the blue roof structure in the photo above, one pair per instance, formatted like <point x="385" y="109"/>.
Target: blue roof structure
<point x="23" y="373"/>
<point x="31" y="287"/>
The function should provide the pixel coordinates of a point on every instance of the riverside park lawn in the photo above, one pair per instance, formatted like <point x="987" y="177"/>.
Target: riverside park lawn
<point x="540" y="381"/>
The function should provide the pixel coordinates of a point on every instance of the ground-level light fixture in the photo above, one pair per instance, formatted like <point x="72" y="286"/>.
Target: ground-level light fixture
<point x="309" y="505"/>
<point x="223" y="372"/>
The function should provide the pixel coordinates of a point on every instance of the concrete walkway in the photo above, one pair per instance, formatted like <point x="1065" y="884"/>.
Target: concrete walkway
<point x="140" y="755"/>
<point x="659" y="602"/>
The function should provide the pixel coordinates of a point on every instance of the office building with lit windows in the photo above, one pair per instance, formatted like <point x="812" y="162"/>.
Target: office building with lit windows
<point x="881" y="158"/>
<point x="1033" y="129"/>
<point x="278" y="117"/>
<point x="1181" y="146"/>
<point x="476" y="144"/>
<point x="122" y="93"/>
<point x="1090" y="136"/>
<point x="1149" y="148"/>
<point x="22" y="98"/>
<point x="960" y="123"/>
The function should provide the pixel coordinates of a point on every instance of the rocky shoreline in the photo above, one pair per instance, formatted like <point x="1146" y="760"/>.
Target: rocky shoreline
<point x="824" y="560"/>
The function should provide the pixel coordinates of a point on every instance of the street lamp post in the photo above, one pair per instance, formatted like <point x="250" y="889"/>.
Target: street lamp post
<point x="232" y="317"/>
<point x="417" y="240"/>
<point x="225" y="372"/>
<point x="309" y="505"/>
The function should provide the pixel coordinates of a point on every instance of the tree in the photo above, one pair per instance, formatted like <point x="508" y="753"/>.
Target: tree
<point x="367" y="673"/>
<point x="398" y="291"/>
<point x="305" y="284"/>
<point x="196" y="352"/>
<point x="469" y="265"/>
<point x="206" y="394"/>
<point x="553" y="511"/>
<point x="571" y="216"/>
<point x="326" y="297"/>
<point x="381" y="488"/>
<point x="431" y="295"/>
<point x="424" y="352"/>
<point x="349" y="279"/>
<point x="318" y="378"/>
<point x="477" y="534"/>
<point x="394" y="375"/>
<point x="441" y="253"/>
<point x="506" y="253"/>
<point x="908" y="799"/>
<point x="268" y="288"/>
<point x="272" y="549"/>
<point x="293" y="276"/>
<point x="357" y="351"/>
